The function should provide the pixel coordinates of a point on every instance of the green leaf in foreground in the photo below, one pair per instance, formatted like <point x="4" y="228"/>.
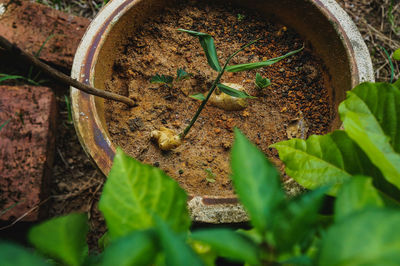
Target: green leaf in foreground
<point x="251" y="66"/>
<point x="371" y="237"/>
<point x="181" y="74"/>
<point x="371" y="117"/>
<point x="396" y="55"/>
<point x="356" y="194"/>
<point x="229" y="244"/>
<point x="233" y="92"/>
<point x="63" y="238"/>
<point x="177" y="252"/>
<point x="256" y="182"/>
<point x="162" y="79"/>
<point x="138" y="248"/>
<point x="134" y="192"/>
<point x="14" y="255"/>
<point x="297" y="221"/>
<point x="261" y="82"/>
<point x="198" y="96"/>
<point x="329" y="159"/>
<point x="207" y="42"/>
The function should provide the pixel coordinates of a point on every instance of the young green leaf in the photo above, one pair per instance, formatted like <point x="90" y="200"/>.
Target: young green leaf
<point x="207" y="42"/>
<point x="356" y="194"/>
<point x="370" y="237"/>
<point x="63" y="238"/>
<point x="137" y="248"/>
<point x="229" y="244"/>
<point x="198" y="96"/>
<point x="14" y="255"/>
<point x="134" y="192"/>
<point x="251" y="66"/>
<point x="261" y="82"/>
<point x="371" y="117"/>
<point x="329" y="159"/>
<point x="233" y="92"/>
<point x="293" y="224"/>
<point x="256" y="182"/>
<point x="162" y="79"/>
<point x="396" y="55"/>
<point x="181" y="74"/>
<point x="177" y="252"/>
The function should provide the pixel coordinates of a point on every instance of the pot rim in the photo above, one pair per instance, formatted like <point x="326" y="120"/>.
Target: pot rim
<point x="210" y="209"/>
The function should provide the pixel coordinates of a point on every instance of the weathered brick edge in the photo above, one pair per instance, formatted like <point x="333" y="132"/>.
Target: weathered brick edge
<point x="30" y="24"/>
<point x="26" y="150"/>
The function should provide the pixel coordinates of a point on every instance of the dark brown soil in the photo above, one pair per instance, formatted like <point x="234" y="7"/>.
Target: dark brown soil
<point x="299" y="91"/>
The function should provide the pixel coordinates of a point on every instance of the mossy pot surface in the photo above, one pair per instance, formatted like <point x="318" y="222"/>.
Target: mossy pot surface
<point x="323" y="23"/>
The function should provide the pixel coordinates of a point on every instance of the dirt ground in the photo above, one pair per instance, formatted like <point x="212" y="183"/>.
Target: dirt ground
<point x="77" y="184"/>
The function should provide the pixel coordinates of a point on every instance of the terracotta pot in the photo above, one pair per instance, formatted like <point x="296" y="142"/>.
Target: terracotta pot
<point x="333" y="35"/>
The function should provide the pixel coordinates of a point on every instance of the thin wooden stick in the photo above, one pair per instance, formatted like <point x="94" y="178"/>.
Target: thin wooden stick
<point x="61" y="77"/>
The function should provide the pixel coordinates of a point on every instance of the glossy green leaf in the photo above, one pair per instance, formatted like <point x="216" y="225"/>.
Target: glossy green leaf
<point x="297" y="221"/>
<point x="204" y="251"/>
<point x="233" y="92"/>
<point x="63" y="238"/>
<point x="251" y="66"/>
<point x="329" y="159"/>
<point x="134" y="192"/>
<point x="137" y="248"/>
<point x="177" y="251"/>
<point x="261" y="82"/>
<point x="181" y="74"/>
<point x="256" y="182"/>
<point x="162" y="79"/>
<point x="14" y="255"/>
<point x="371" y="117"/>
<point x="356" y="194"/>
<point x="371" y="237"/>
<point x="396" y="55"/>
<point x="198" y="96"/>
<point x="207" y="42"/>
<point x="229" y="244"/>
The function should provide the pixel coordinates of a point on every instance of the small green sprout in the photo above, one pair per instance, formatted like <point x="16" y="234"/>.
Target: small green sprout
<point x="181" y="74"/>
<point x="240" y="17"/>
<point x="210" y="175"/>
<point x="162" y="80"/>
<point x="261" y="82"/>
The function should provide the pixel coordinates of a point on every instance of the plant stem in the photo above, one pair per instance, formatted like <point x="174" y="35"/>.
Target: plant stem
<point x="61" y="77"/>
<point x="212" y="89"/>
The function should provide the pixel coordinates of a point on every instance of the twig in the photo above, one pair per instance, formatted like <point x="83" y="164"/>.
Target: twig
<point x="61" y="77"/>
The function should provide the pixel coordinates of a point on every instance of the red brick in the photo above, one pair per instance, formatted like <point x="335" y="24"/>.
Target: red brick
<point x="26" y="150"/>
<point x="30" y="24"/>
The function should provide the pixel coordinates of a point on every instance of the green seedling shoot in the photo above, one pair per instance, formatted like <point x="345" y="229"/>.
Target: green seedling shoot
<point x="261" y="82"/>
<point x="165" y="80"/>
<point x="166" y="138"/>
<point x="210" y="175"/>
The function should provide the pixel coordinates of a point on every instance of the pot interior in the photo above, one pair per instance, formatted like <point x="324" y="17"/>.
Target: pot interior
<point x="308" y="18"/>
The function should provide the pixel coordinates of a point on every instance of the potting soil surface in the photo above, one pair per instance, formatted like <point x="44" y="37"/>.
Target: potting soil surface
<point x="297" y="104"/>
